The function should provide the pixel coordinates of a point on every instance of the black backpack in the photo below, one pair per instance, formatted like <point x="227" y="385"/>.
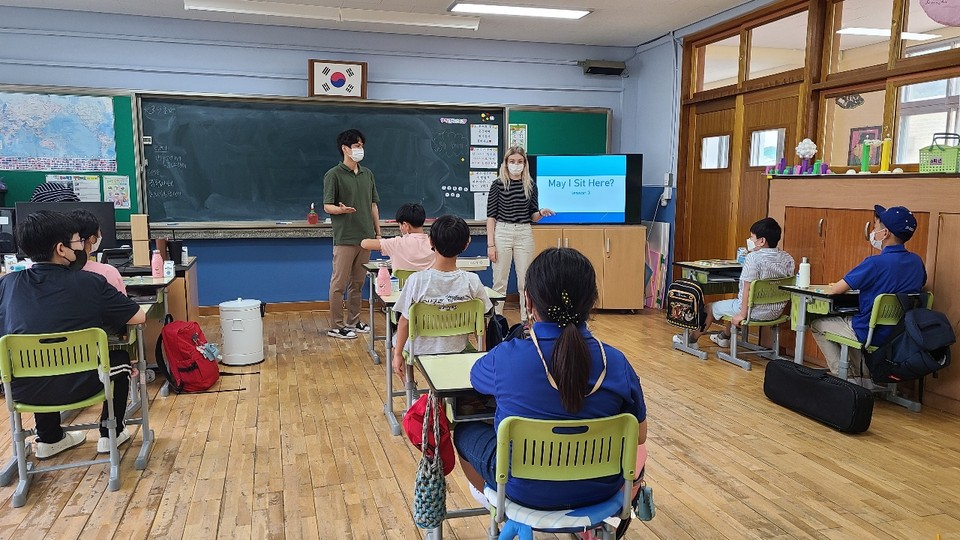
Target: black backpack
<point x="920" y="345"/>
<point x="685" y="305"/>
<point x="499" y="330"/>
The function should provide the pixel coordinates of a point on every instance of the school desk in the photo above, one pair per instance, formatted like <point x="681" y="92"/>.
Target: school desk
<point x="389" y="301"/>
<point x="816" y="300"/>
<point x="715" y="276"/>
<point x="448" y="376"/>
<point x="471" y="264"/>
<point x="151" y="290"/>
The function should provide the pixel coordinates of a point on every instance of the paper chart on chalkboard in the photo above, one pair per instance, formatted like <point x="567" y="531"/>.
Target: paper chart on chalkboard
<point x="116" y="189"/>
<point x="484" y="134"/>
<point x="480" y="205"/>
<point x="483" y="157"/>
<point x="86" y="187"/>
<point x="481" y="180"/>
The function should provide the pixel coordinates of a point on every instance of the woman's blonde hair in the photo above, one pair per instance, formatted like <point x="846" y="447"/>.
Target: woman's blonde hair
<point x="525" y="179"/>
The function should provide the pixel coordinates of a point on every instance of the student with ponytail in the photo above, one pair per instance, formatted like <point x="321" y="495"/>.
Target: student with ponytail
<point x="563" y="372"/>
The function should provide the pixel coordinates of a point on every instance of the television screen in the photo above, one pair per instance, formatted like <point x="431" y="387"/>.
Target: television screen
<point x="589" y="189"/>
<point x="103" y="210"/>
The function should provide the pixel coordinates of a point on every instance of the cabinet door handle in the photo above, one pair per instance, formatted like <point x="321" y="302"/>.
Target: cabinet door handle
<point x="866" y="231"/>
<point x="820" y="227"/>
<point x="607" y="246"/>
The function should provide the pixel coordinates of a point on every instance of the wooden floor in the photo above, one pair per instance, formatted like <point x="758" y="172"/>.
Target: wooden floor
<point x="304" y="452"/>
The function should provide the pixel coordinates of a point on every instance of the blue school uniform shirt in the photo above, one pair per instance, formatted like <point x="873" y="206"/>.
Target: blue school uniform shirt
<point x="894" y="270"/>
<point x="513" y="373"/>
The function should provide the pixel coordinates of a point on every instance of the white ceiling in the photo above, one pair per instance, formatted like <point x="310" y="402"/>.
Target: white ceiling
<point x="612" y="22"/>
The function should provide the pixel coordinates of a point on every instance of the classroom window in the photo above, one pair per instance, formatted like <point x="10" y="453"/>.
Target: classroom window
<point x="719" y="63"/>
<point x="861" y="34"/>
<point x="766" y="147"/>
<point x="924" y="109"/>
<point x="778" y="46"/>
<point x="850" y="119"/>
<point x="715" y="152"/>
<point x="923" y="34"/>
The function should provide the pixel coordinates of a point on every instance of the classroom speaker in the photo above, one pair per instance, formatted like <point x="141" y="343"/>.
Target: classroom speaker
<point x="603" y="67"/>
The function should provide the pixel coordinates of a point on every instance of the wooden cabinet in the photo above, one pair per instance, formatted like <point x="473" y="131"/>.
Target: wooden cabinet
<point x="942" y="392"/>
<point x="617" y="254"/>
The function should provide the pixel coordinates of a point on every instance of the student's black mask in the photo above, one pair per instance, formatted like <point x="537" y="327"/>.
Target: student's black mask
<point x="80" y="261"/>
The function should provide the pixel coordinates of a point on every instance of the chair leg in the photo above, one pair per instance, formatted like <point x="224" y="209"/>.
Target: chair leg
<point x="6" y="474"/>
<point x="775" y="355"/>
<point x="411" y="388"/>
<point x="111" y="425"/>
<point x="843" y="370"/>
<point x="19" y="438"/>
<point x="732" y="355"/>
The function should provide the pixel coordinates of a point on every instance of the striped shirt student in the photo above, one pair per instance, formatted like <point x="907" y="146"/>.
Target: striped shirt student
<point x="766" y="263"/>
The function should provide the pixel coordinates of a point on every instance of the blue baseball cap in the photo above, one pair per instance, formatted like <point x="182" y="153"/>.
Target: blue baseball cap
<point x="898" y="220"/>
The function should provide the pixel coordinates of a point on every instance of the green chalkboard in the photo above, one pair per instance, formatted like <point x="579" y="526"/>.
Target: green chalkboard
<point x="228" y="159"/>
<point x="564" y="131"/>
<point x="20" y="184"/>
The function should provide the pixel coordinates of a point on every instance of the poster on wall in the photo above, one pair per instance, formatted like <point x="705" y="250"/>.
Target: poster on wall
<point x="858" y="136"/>
<point x="518" y="136"/>
<point x="52" y="132"/>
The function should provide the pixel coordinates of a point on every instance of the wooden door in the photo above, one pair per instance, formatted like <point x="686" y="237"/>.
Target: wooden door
<point x="944" y="390"/>
<point x="546" y="237"/>
<point x="707" y="211"/>
<point x="623" y="264"/>
<point x="803" y="237"/>
<point x="846" y="240"/>
<point x="764" y="113"/>
<point x="589" y="241"/>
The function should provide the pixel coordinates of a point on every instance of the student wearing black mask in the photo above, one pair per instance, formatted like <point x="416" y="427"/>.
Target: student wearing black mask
<point x="54" y="296"/>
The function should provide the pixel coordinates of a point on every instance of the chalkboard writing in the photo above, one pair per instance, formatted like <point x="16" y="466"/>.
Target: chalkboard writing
<point x="218" y="159"/>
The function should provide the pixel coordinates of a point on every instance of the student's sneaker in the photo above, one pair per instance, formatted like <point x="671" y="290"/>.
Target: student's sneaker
<point x="69" y="440"/>
<point x="692" y="343"/>
<point x="342" y="333"/>
<point x="720" y="340"/>
<point x="103" y="444"/>
<point x="360" y="328"/>
<point x="479" y="497"/>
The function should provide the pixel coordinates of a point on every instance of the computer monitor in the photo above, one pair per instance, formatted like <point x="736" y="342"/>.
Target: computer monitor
<point x="8" y="243"/>
<point x="103" y="210"/>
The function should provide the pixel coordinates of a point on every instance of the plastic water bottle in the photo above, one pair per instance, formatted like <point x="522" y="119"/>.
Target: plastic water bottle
<point x="741" y="254"/>
<point x="156" y="264"/>
<point x="394" y="285"/>
<point x="803" y="275"/>
<point x="383" y="281"/>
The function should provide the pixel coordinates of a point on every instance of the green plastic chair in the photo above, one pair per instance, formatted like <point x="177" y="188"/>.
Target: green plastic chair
<point x="565" y="450"/>
<point x="430" y="320"/>
<point x="401" y="276"/>
<point x="886" y="311"/>
<point x="762" y="292"/>
<point x="46" y="355"/>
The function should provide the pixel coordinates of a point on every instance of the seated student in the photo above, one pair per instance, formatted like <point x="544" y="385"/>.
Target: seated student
<point x="763" y="261"/>
<point x="893" y="270"/>
<point x="558" y="374"/>
<point x="411" y="250"/>
<point x="90" y="234"/>
<point x="443" y="284"/>
<point x="55" y="296"/>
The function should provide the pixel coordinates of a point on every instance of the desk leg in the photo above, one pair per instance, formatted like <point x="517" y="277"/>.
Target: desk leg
<point x="146" y="432"/>
<point x="683" y="347"/>
<point x="388" y="366"/>
<point x="801" y="331"/>
<point x="373" y="332"/>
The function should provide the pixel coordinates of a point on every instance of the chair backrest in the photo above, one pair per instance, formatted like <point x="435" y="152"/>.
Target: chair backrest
<point x="402" y="276"/>
<point x="887" y="310"/>
<point x="567" y="449"/>
<point x="431" y="320"/>
<point x="45" y="355"/>
<point x="768" y="291"/>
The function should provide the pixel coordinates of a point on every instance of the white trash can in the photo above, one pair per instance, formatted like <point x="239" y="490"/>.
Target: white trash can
<point x="242" y="332"/>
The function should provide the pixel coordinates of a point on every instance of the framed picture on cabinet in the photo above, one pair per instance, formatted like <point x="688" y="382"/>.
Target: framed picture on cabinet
<point x="858" y="136"/>
<point x="334" y="78"/>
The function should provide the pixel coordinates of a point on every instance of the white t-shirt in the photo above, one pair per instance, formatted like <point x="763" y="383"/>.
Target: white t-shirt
<point x="440" y="288"/>
<point x="408" y="252"/>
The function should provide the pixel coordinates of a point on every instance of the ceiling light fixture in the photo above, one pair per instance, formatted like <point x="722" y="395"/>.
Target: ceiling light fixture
<point x="301" y="11"/>
<point x="518" y="11"/>
<point x="885" y="32"/>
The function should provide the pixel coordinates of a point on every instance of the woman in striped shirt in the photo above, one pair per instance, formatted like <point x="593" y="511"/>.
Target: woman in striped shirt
<point x="511" y="207"/>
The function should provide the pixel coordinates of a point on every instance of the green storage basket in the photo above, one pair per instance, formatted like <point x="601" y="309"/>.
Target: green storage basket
<point x="941" y="158"/>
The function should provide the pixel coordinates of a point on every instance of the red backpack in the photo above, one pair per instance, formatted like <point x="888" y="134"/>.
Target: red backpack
<point x="179" y="357"/>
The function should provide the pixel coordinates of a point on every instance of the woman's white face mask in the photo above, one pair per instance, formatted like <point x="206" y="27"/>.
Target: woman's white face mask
<point x="515" y="168"/>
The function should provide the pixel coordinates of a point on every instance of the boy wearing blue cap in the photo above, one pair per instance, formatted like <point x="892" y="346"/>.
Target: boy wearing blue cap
<point x="894" y="270"/>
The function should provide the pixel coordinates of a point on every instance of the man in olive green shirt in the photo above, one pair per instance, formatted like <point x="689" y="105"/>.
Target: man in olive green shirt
<point x="350" y="197"/>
